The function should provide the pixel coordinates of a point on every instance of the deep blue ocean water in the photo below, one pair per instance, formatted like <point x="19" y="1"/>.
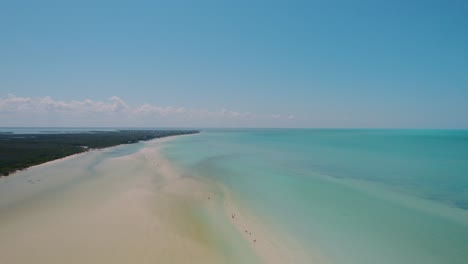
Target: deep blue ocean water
<point x="355" y="196"/>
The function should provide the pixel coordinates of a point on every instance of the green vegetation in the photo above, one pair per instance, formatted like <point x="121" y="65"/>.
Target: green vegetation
<point x="20" y="151"/>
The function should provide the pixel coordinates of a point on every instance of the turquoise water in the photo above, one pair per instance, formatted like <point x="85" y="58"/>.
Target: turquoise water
<point x="355" y="196"/>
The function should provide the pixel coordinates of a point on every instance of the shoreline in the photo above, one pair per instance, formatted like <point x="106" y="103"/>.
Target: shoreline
<point x="84" y="148"/>
<point x="161" y="212"/>
<point x="270" y="246"/>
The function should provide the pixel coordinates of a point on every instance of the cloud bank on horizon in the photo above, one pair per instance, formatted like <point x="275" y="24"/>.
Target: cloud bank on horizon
<point x="47" y="111"/>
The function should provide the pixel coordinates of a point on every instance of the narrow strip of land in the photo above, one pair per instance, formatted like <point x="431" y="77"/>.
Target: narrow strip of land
<point x="20" y="151"/>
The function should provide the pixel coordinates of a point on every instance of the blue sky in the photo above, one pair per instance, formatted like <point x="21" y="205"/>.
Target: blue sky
<point x="235" y="64"/>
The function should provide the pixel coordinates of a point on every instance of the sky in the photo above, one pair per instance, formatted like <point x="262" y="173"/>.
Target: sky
<point x="345" y="64"/>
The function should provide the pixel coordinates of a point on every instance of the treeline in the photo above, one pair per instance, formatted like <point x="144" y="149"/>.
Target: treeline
<point x="20" y="151"/>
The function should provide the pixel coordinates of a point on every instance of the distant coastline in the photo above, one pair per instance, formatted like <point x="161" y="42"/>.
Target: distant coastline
<point x="21" y="151"/>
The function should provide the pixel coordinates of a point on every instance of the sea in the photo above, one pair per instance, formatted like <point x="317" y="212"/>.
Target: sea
<point x="352" y="195"/>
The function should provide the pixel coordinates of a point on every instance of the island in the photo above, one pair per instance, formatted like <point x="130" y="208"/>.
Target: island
<point x="20" y="151"/>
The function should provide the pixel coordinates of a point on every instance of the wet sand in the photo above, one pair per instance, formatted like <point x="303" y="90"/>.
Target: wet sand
<point x="98" y="207"/>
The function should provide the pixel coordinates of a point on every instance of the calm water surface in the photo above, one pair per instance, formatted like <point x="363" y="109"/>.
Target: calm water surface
<point x="355" y="196"/>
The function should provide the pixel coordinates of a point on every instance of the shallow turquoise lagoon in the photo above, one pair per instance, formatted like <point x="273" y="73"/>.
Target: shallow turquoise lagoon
<point x="352" y="196"/>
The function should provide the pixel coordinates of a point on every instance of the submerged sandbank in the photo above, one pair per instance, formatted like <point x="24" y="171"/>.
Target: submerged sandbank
<point x="124" y="206"/>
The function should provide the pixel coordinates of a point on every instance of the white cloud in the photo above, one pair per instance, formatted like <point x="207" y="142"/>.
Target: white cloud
<point x="278" y="116"/>
<point x="115" y="111"/>
<point x="13" y="103"/>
